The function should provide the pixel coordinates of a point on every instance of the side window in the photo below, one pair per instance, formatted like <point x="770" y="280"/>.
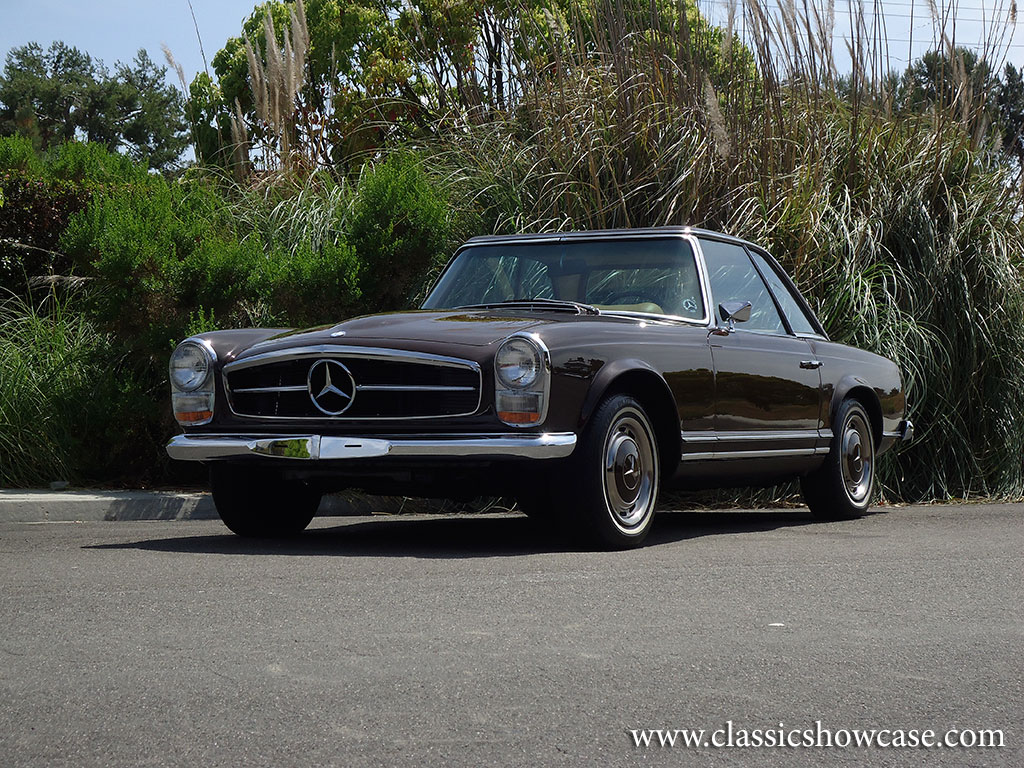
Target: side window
<point x="733" y="278"/>
<point x="790" y="306"/>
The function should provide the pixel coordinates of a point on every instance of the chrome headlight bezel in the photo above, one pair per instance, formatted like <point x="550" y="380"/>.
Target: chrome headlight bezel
<point x="192" y="398"/>
<point x="522" y="401"/>
<point x="524" y="363"/>
<point x="190" y="377"/>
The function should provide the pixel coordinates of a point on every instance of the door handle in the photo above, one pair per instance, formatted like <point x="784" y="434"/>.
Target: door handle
<point x="811" y="364"/>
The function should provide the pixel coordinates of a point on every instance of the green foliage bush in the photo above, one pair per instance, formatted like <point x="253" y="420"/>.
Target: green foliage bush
<point x="41" y="192"/>
<point x="401" y="229"/>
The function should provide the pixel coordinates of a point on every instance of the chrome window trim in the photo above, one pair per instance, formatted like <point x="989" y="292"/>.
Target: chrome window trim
<point x="334" y="351"/>
<point x="654" y="318"/>
<point x="684" y="234"/>
<point x="786" y="334"/>
<point x="794" y="291"/>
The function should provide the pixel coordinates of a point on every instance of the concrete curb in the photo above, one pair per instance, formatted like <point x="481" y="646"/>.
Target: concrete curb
<point x="33" y="506"/>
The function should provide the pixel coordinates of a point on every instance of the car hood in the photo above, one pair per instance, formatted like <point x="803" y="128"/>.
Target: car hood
<point x="464" y="327"/>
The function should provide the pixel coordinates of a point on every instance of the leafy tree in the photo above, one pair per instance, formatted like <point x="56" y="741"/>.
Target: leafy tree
<point x="1011" y="112"/>
<point x="60" y="94"/>
<point x="961" y="83"/>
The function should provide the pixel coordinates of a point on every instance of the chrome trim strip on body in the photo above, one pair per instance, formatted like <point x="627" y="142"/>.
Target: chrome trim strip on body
<point x="755" y="454"/>
<point x="335" y="351"/>
<point x="550" y="445"/>
<point x="709" y="439"/>
<point x="800" y="434"/>
<point x="904" y="433"/>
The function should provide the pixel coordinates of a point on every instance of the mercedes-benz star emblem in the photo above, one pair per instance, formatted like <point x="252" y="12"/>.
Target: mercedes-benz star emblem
<point x="331" y="387"/>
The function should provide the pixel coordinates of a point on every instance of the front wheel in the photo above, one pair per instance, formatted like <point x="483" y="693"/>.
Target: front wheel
<point x="841" y="488"/>
<point x="255" y="502"/>
<point x="617" y="475"/>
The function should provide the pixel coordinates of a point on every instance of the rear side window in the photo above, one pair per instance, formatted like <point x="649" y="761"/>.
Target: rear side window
<point x="790" y="306"/>
<point x="733" y="278"/>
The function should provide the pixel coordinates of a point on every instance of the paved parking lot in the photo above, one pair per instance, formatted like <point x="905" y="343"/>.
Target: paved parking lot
<point x="476" y="641"/>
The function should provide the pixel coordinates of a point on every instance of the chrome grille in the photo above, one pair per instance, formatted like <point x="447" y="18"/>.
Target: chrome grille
<point x="388" y="384"/>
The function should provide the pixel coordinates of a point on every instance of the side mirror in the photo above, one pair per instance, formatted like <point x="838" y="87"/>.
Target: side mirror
<point x="733" y="312"/>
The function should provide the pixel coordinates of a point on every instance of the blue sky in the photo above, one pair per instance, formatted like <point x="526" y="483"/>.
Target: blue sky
<point x="116" y="29"/>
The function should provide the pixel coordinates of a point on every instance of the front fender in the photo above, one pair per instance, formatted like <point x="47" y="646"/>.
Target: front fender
<point x="608" y="374"/>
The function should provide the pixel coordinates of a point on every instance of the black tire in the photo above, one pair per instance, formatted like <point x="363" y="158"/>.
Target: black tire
<point x="842" y="487"/>
<point x="615" y="476"/>
<point x="257" y="503"/>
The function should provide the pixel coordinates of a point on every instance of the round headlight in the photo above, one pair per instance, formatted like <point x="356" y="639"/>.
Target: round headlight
<point x="190" y="365"/>
<point x="517" y="364"/>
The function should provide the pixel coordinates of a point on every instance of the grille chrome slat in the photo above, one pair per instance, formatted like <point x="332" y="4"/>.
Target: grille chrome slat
<point x="295" y="388"/>
<point x="389" y="384"/>
<point x="410" y="388"/>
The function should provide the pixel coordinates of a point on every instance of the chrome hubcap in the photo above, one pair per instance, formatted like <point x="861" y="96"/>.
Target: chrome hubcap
<point x="630" y="479"/>
<point x="857" y="459"/>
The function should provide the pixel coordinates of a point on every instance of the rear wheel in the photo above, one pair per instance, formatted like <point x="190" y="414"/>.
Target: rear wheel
<point x="616" y="475"/>
<point x="255" y="502"/>
<point x="842" y="487"/>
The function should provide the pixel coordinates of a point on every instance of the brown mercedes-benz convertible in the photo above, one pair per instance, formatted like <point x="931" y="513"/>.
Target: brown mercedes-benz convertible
<point x="579" y="373"/>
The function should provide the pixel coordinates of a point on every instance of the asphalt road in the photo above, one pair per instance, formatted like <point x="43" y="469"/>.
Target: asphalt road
<point x="473" y="641"/>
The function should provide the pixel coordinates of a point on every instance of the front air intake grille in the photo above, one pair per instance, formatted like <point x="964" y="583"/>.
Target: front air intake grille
<point x="352" y="383"/>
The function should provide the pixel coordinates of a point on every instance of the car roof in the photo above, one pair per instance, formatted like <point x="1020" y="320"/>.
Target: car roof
<point x="607" y="234"/>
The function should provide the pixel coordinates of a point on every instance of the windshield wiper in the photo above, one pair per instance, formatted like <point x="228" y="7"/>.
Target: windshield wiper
<point x="555" y="305"/>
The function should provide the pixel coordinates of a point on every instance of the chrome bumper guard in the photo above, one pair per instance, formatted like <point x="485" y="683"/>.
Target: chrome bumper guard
<point x="552" y="445"/>
<point x="906" y="430"/>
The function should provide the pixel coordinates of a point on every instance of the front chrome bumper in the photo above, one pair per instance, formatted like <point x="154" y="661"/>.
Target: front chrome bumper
<point x="553" y="445"/>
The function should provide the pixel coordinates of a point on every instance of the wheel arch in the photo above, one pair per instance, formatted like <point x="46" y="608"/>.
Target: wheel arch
<point x="854" y="387"/>
<point x="638" y="379"/>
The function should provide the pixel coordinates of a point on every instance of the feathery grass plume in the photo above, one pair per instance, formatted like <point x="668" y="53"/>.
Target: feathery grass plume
<point x="276" y="80"/>
<point x="180" y="72"/>
<point x="240" y="145"/>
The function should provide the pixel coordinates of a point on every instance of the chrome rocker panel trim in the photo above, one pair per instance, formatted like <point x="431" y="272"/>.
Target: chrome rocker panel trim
<point x="551" y="445"/>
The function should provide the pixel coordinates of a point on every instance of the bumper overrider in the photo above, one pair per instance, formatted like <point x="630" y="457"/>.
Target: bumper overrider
<point x="551" y="445"/>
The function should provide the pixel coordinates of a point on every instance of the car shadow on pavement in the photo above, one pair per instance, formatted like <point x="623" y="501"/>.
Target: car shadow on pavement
<point x="465" y="536"/>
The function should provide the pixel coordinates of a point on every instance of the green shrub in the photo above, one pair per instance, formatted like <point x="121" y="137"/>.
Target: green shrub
<point x="401" y="229"/>
<point x="34" y="213"/>
<point x="160" y="250"/>
<point x="41" y="192"/>
<point x="92" y="164"/>
<point x="18" y="154"/>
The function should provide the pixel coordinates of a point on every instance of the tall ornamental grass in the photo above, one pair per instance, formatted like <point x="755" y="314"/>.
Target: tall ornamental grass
<point x="69" y="408"/>
<point x="901" y="224"/>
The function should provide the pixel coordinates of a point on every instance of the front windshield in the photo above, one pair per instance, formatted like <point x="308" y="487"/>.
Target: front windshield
<point x="649" y="276"/>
